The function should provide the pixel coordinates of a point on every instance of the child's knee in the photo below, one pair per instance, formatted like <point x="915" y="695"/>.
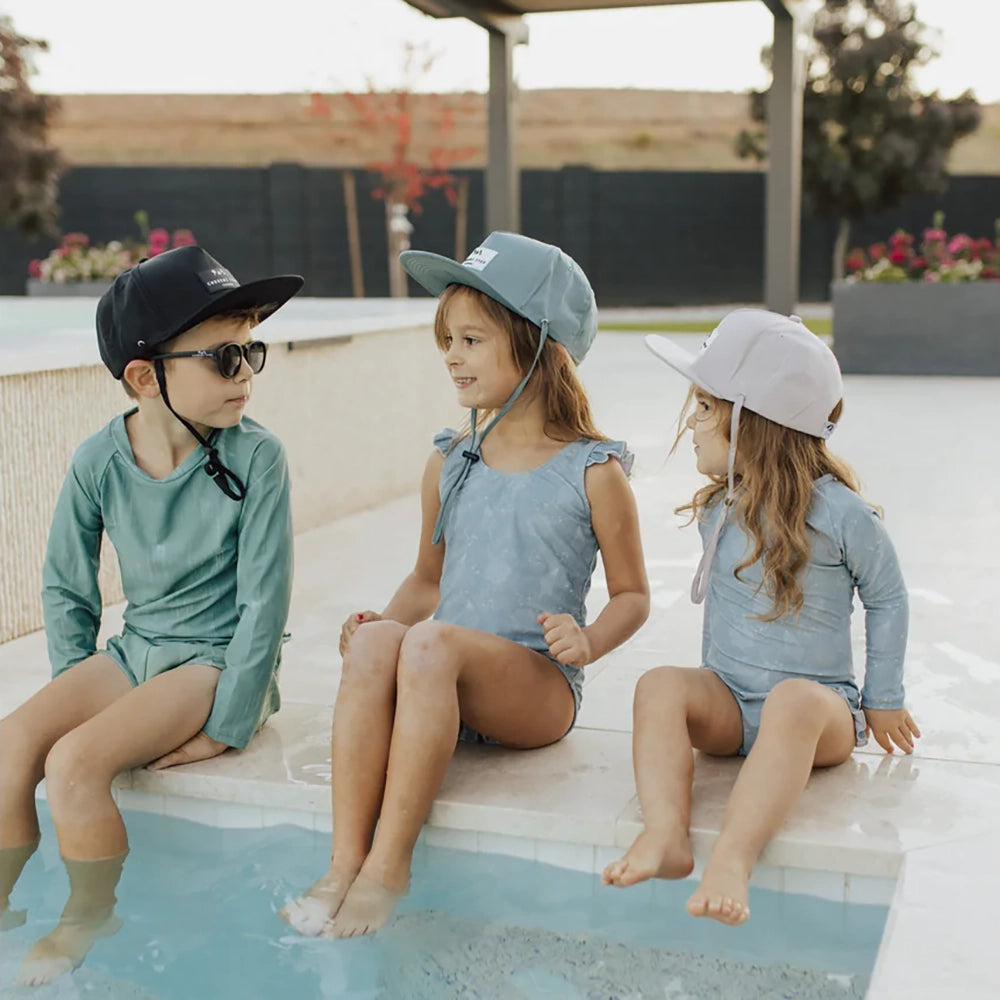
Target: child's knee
<point x="657" y="683"/>
<point x="71" y="770"/>
<point x="373" y="651"/>
<point x="428" y="648"/>
<point x="795" y="699"/>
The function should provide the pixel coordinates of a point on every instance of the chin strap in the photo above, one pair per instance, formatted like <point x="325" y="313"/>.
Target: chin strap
<point x="471" y="454"/>
<point x="699" y="585"/>
<point x="225" y="478"/>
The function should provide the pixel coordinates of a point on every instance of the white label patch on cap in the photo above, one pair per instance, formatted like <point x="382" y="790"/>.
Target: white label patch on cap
<point x="217" y="278"/>
<point x="479" y="258"/>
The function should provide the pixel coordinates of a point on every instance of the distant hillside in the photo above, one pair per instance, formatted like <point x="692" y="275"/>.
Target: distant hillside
<point x="608" y="129"/>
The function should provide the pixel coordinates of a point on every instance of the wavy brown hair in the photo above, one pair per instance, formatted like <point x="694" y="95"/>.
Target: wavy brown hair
<point x="567" y="409"/>
<point x="776" y="468"/>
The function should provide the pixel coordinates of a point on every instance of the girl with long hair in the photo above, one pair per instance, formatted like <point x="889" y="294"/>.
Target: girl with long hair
<point x="787" y="543"/>
<point x="487" y="638"/>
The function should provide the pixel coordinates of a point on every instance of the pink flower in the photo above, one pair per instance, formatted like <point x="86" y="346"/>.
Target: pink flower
<point x="959" y="243"/>
<point x="184" y="238"/>
<point x="901" y="238"/>
<point x="75" y="240"/>
<point x="935" y="235"/>
<point x="159" y="240"/>
<point x="898" y="255"/>
<point x="876" y="251"/>
<point x="34" y="269"/>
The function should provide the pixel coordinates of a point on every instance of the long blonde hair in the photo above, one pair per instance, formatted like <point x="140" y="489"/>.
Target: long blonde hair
<point x="566" y="407"/>
<point x="775" y="472"/>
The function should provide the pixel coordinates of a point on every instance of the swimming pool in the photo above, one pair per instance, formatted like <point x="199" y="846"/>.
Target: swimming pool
<point x="199" y="903"/>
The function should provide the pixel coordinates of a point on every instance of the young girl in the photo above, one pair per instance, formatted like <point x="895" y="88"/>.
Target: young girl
<point x="787" y="542"/>
<point x="513" y="518"/>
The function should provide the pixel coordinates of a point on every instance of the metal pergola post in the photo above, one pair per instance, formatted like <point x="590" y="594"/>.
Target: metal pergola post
<point x="783" y="191"/>
<point x="503" y="188"/>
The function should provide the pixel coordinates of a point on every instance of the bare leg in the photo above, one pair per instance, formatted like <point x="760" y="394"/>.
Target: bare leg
<point x="12" y="862"/>
<point x="446" y="673"/>
<point x="89" y="914"/>
<point x="675" y="709"/>
<point x="803" y="725"/>
<point x="362" y="730"/>
<point x="138" y="727"/>
<point x="26" y="737"/>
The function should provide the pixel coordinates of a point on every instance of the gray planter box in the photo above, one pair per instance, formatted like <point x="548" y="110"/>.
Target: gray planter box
<point x="84" y="288"/>
<point x="917" y="328"/>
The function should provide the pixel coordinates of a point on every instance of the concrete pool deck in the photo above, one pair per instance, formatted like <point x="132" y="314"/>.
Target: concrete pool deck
<point x="920" y="832"/>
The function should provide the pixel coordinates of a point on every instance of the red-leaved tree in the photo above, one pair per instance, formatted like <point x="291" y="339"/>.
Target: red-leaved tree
<point x="419" y="131"/>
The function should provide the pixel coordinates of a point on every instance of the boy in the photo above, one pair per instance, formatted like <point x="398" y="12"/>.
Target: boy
<point x="206" y="570"/>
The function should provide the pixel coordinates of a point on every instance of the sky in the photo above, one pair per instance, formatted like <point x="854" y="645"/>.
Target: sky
<point x="219" y="46"/>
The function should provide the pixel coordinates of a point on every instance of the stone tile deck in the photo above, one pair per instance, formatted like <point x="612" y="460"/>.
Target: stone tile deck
<point x="924" y="450"/>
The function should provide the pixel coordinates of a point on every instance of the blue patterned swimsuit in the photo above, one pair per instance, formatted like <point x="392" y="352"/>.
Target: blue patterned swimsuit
<point x="518" y="544"/>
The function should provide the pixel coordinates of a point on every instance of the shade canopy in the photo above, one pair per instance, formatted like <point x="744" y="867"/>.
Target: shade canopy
<point x="503" y="21"/>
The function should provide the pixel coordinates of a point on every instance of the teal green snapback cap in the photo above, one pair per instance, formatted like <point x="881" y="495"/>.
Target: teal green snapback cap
<point x="533" y="279"/>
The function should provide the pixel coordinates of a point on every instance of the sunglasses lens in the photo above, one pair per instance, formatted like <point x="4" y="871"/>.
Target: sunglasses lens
<point x="256" y="355"/>
<point x="230" y="358"/>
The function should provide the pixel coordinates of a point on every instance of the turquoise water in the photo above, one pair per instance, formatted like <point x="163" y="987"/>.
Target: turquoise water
<point x="199" y="907"/>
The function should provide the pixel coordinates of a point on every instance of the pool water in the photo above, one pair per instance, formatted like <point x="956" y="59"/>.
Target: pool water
<point x="199" y="909"/>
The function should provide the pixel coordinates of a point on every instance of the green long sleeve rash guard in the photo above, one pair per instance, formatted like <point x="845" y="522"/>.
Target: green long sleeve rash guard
<point x="196" y="566"/>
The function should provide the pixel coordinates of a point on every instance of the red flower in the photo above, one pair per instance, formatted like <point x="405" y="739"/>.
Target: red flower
<point x="183" y="238"/>
<point x="898" y="255"/>
<point x="34" y="269"/>
<point x="876" y="251"/>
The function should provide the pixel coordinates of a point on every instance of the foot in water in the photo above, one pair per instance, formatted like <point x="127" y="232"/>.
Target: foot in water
<point x="64" y="949"/>
<point x="723" y="894"/>
<point x="89" y="914"/>
<point x="367" y="906"/>
<point x="311" y="912"/>
<point x="653" y="854"/>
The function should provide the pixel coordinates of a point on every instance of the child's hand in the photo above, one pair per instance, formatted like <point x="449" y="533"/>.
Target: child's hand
<point x="199" y="747"/>
<point x="567" y="642"/>
<point x="351" y="626"/>
<point x="892" y="725"/>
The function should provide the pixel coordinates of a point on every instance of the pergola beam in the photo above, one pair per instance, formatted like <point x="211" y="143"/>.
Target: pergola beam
<point x="511" y="25"/>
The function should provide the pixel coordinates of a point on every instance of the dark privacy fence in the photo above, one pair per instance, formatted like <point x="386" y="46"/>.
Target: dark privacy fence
<point x="644" y="238"/>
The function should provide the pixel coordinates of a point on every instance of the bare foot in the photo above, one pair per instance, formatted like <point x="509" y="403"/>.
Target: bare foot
<point x="723" y="894"/>
<point x="64" y="949"/>
<point x="653" y="854"/>
<point x="310" y="913"/>
<point x="367" y="907"/>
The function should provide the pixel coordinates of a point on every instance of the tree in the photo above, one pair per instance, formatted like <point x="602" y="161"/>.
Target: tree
<point x="413" y="167"/>
<point x="870" y="139"/>
<point x="29" y="167"/>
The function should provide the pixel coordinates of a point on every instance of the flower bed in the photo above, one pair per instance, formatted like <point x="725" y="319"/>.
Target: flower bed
<point x="80" y="267"/>
<point x="927" y="308"/>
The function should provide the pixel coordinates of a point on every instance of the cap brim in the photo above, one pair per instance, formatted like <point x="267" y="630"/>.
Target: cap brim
<point x="436" y="273"/>
<point x="267" y="295"/>
<point x="667" y="350"/>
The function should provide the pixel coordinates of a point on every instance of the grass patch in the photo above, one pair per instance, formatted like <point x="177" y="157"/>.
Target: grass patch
<point x="822" y="326"/>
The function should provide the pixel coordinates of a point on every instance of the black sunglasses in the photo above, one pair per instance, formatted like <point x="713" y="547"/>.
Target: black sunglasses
<point x="228" y="358"/>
